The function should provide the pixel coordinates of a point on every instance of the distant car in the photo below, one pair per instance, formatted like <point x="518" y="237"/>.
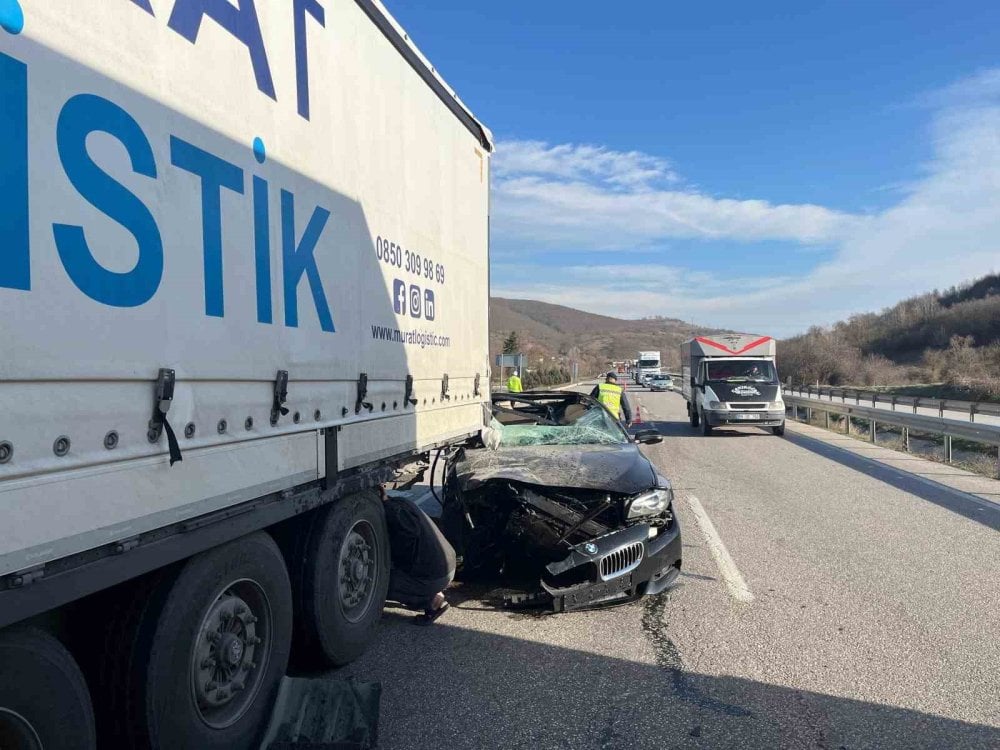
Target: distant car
<point x="661" y="383"/>
<point x="646" y="378"/>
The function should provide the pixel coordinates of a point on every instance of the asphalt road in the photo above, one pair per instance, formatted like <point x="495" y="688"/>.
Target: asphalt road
<point x="838" y="606"/>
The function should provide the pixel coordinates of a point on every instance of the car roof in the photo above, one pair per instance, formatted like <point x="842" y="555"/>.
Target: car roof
<point x="529" y="397"/>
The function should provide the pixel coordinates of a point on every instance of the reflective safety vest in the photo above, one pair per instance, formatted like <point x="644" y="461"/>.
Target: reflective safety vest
<point x="610" y="396"/>
<point x="514" y="384"/>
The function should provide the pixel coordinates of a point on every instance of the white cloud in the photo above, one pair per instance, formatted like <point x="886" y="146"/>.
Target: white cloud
<point x="590" y="197"/>
<point x="944" y="229"/>
<point x="974" y="90"/>
<point x="631" y="169"/>
<point x="642" y="290"/>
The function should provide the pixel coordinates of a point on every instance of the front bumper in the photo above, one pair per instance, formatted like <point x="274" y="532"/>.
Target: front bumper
<point x="736" y="417"/>
<point x="616" y="567"/>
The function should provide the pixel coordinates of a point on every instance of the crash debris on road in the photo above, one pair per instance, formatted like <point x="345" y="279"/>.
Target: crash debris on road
<point x="324" y="714"/>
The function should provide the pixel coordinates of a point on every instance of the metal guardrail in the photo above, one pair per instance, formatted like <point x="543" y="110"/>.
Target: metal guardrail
<point x="980" y="433"/>
<point x="860" y="397"/>
<point x="949" y="428"/>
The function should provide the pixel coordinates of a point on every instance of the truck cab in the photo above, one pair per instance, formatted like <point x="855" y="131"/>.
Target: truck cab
<point x="647" y="365"/>
<point x="728" y="384"/>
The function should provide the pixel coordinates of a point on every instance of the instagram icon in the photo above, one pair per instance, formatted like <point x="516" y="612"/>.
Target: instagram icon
<point x="416" y="301"/>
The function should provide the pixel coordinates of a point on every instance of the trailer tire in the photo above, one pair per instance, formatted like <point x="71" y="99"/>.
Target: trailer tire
<point x="44" y="701"/>
<point x="337" y="610"/>
<point x="172" y="629"/>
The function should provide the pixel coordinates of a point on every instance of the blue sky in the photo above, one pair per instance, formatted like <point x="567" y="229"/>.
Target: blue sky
<point x="730" y="162"/>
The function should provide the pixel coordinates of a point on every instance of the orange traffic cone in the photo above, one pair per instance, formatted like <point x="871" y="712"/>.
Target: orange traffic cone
<point x="638" y="412"/>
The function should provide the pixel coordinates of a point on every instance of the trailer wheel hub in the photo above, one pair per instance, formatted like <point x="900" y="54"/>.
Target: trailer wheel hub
<point x="358" y="570"/>
<point x="234" y="636"/>
<point x="233" y="649"/>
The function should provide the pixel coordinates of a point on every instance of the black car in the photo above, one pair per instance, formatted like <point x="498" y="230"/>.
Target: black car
<point x="561" y="494"/>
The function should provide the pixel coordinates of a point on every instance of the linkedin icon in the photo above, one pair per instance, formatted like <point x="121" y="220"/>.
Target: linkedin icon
<point x="429" y="310"/>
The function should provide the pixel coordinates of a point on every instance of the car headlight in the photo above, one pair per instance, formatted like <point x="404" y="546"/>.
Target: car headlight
<point x="650" y="503"/>
<point x="715" y="405"/>
<point x="777" y="405"/>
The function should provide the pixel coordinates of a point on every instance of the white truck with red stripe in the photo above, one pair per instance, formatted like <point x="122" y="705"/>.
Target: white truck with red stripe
<point x="732" y="379"/>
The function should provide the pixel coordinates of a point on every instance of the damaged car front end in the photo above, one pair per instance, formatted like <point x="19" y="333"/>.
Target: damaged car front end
<point x="561" y="496"/>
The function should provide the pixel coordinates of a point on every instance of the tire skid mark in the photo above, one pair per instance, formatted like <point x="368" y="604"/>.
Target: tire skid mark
<point x="654" y="628"/>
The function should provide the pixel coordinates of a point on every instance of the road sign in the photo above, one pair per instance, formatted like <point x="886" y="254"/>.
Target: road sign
<point x="510" y="360"/>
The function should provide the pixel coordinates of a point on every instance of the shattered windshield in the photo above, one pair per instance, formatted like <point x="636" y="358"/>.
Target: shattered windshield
<point x="577" y="424"/>
<point x="732" y="371"/>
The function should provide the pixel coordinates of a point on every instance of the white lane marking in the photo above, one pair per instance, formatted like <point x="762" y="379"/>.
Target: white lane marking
<point x="730" y="573"/>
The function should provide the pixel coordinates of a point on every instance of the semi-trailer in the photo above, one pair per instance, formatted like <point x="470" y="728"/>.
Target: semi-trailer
<point x="243" y="286"/>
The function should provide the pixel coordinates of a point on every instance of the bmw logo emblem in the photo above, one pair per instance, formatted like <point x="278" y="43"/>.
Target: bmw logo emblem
<point x="590" y="548"/>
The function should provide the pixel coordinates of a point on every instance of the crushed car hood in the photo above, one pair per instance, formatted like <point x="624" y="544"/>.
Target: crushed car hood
<point x="612" y="468"/>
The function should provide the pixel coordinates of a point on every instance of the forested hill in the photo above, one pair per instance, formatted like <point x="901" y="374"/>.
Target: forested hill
<point x="555" y="333"/>
<point x="950" y="337"/>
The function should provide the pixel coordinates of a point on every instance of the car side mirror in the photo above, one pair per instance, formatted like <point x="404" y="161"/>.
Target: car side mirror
<point x="648" y="437"/>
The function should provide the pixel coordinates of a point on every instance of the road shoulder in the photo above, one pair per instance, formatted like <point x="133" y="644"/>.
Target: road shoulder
<point x="945" y="475"/>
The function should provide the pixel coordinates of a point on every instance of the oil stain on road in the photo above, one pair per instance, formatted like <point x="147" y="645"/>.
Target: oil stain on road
<point x="668" y="658"/>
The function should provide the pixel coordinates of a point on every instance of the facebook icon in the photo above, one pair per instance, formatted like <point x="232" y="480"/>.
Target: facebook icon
<point x="399" y="297"/>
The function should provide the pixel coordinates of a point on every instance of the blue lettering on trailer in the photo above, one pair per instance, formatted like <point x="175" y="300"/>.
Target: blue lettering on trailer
<point x="300" y="8"/>
<point x="240" y="21"/>
<point x="82" y="115"/>
<point x="11" y="16"/>
<point x="262" y="250"/>
<point x="243" y="24"/>
<point x="299" y="259"/>
<point x="215" y="174"/>
<point x="15" y="251"/>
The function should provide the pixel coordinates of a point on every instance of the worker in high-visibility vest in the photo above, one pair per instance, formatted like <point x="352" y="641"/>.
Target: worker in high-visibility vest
<point x="612" y="396"/>
<point x="514" y="383"/>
